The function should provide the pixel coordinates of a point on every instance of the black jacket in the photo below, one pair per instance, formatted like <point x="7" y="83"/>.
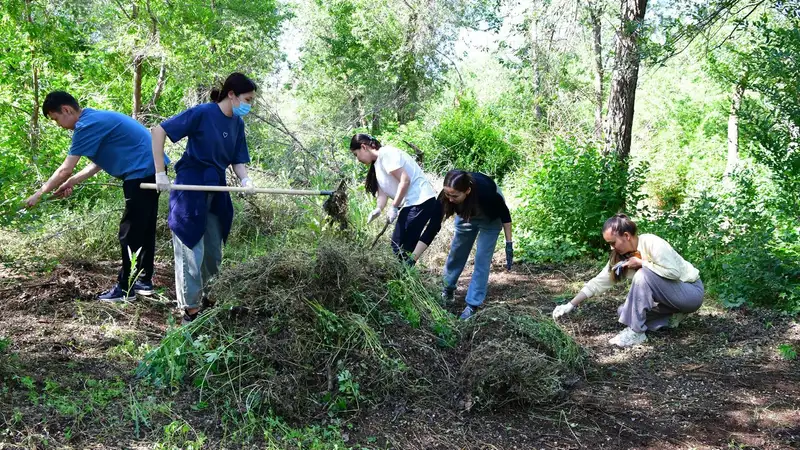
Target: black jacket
<point x="490" y="202"/>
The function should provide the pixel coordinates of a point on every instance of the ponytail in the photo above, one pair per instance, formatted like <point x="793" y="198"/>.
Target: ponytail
<point x="236" y="82"/>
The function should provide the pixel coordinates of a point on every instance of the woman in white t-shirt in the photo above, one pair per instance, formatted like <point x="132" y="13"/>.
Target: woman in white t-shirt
<point x="393" y="174"/>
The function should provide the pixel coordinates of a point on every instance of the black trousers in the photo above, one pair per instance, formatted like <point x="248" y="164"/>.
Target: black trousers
<point x="137" y="231"/>
<point x="416" y="223"/>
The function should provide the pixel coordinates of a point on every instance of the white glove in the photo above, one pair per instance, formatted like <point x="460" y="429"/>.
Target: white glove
<point x="391" y="215"/>
<point x="162" y="182"/>
<point x="562" y="310"/>
<point x="375" y="213"/>
<point x="248" y="183"/>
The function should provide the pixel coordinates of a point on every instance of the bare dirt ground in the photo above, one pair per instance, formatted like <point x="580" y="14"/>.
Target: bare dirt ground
<point x="716" y="382"/>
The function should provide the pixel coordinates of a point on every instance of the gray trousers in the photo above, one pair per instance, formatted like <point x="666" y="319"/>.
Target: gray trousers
<point x="653" y="299"/>
<point x="195" y="266"/>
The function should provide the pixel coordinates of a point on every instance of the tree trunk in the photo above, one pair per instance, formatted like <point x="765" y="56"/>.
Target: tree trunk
<point x="733" y="128"/>
<point x="137" y="86"/>
<point x="533" y="36"/>
<point x="137" y="71"/>
<point x="34" y="125"/>
<point x="162" y="76"/>
<point x="623" y="83"/>
<point x="595" y="13"/>
<point x="408" y="80"/>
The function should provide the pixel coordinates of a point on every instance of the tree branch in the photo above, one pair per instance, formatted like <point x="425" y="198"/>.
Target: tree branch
<point x="162" y="74"/>
<point x="122" y="8"/>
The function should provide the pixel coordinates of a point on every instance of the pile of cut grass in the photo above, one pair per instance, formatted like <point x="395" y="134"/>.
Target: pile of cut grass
<point x="518" y="355"/>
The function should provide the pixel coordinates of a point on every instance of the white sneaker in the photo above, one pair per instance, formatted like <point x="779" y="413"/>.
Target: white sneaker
<point x="628" y="338"/>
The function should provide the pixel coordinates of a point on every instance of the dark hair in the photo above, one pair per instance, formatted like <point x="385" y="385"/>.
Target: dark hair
<point x="618" y="224"/>
<point x="461" y="181"/>
<point x="371" y="183"/>
<point x="56" y="99"/>
<point x="236" y="82"/>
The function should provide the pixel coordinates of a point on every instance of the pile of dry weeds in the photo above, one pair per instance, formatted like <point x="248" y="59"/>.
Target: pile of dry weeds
<point x="332" y="328"/>
<point x="314" y="339"/>
<point x="516" y="354"/>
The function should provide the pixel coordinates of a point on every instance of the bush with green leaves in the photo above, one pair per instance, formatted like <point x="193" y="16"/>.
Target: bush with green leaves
<point x="747" y="251"/>
<point x="469" y="137"/>
<point x="567" y="196"/>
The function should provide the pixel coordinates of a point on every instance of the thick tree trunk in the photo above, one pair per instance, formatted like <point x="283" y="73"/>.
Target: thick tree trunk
<point x="733" y="129"/>
<point x="595" y="13"/>
<point x="622" y="96"/>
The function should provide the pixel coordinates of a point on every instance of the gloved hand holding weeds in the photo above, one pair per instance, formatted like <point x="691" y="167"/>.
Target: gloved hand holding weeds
<point x="162" y="182"/>
<point x="374" y="214"/>
<point x="391" y="215"/>
<point x="509" y="255"/>
<point x="564" y="309"/>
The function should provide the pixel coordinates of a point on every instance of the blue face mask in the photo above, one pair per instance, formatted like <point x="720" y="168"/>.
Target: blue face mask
<point x="242" y="109"/>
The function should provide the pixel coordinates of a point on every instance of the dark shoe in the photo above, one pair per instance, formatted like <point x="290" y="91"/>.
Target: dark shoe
<point x="141" y="287"/>
<point x="448" y="296"/>
<point x="468" y="312"/>
<point x="113" y="295"/>
<point x="206" y="304"/>
<point x="189" y="318"/>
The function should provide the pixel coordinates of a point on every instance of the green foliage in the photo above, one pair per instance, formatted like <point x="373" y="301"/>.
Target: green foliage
<point x="468" y="137"/>
<point x="179" y="435"/>
<point x="761" y="62"/>
<point x="87" y="49"/>
<point x="745" y="249"/>
<point x="787" y="352"/>
<point x="567" y="196"/>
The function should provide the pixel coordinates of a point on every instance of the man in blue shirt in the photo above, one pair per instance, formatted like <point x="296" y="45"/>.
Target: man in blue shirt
<point x="121" y="146"/>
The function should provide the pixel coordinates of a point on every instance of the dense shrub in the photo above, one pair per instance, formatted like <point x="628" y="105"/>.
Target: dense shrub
<point x="468" y="137"/>
<point x="567" y="196"/>
<point x="745" y="249"/>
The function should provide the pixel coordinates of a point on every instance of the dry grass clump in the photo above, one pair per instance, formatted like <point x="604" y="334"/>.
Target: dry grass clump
<point x="518" y="355"/>
<point x="313" y="339"/>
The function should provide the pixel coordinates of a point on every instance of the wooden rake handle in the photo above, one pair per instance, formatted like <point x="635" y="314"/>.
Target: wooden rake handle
<point x="195" y="187"/>
<point x="379" y="235"/>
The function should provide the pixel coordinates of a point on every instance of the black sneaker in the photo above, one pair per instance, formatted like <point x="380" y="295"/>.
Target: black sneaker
<point x="189" y="318"/>
<point x="113" y="295"/>
<point x="206" y="304"/>
<point x="143" y="287"/>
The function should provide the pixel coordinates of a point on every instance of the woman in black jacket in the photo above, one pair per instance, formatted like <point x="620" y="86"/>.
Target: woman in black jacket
<point x="481" y="212"/>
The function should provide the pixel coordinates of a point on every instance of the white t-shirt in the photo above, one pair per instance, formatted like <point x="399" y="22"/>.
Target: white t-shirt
<point x="391" y="158"/>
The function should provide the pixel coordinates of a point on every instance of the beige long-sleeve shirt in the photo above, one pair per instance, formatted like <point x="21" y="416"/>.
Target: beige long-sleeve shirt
<point x="658" y="256"/>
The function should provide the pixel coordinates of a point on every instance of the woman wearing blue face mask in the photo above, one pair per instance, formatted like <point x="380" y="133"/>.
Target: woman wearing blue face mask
<point x="200" y="221"/>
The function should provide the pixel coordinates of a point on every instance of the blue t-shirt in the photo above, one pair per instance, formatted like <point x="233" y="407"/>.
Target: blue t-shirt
<point x="215" y="140"/>
<point x="117" y="143"/>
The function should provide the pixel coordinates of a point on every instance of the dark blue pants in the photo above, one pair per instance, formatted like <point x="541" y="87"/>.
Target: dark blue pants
<point x="416" y="223"/>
